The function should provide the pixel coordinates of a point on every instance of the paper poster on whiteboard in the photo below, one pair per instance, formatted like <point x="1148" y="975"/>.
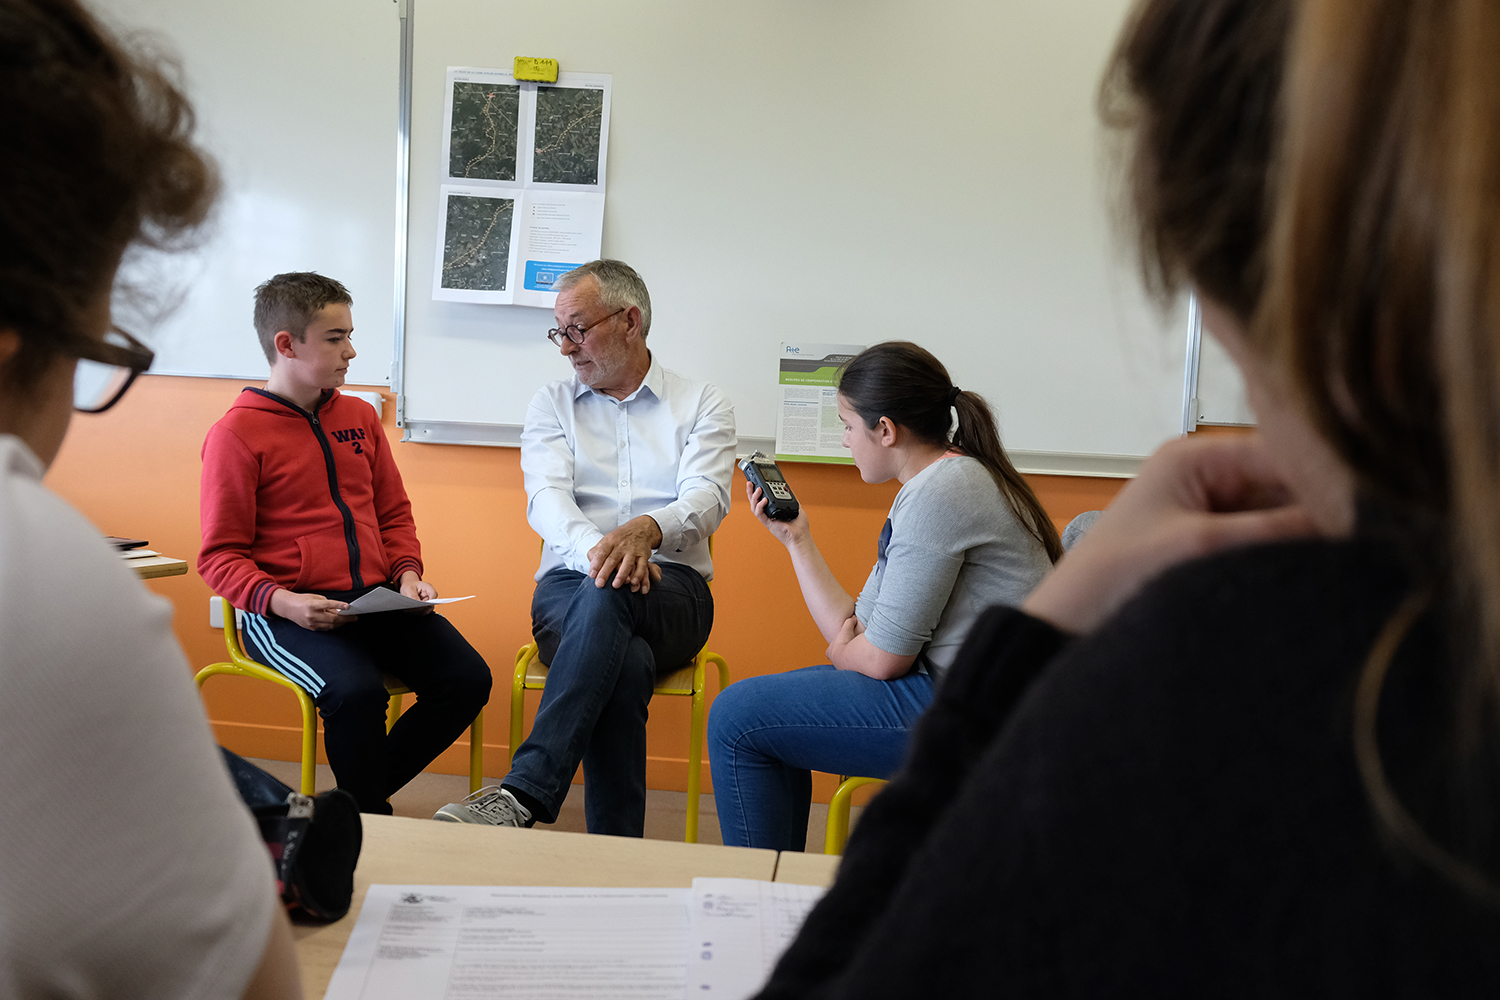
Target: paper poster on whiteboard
<point x="524" y="199"/>
<point x="476" y="246"/>
<point x="808" y="428"/>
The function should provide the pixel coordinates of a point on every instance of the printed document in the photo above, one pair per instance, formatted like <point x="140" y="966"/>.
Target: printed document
<point x="807" y="420"/>
<point x="720" y="939"/>
<point x="385" y="599"/>
<point x="448" y="942"/>
<point x="522" y="197"/>
<point x="740" y="928"/>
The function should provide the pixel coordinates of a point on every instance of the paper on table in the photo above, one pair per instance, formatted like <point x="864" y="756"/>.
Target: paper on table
<point x="384" y="599"/>
<point x="447" y="942"/>
<point x="740" y="927"/>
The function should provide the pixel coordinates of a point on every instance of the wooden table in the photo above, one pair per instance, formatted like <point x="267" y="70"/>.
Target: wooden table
<point x="807" y="869"/>
<point x="151" y="567"/>
<point x="403" y="851"/>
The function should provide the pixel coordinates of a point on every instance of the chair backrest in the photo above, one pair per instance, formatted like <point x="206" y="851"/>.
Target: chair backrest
<point x="218" y="607"/>
<point x="1077" y="527"/>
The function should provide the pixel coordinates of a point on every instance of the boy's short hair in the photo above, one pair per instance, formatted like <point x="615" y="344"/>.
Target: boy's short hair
<point x="289" y="302"/>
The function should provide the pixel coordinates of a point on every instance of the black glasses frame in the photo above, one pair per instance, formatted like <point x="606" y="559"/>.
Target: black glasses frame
<point x="576" y="333"/>
<point x="133" y="355"/>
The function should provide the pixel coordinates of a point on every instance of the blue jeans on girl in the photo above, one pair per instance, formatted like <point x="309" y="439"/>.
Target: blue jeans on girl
<point x="766" y="735"/>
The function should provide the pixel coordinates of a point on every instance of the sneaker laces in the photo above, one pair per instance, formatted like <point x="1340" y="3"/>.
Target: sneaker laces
<point x="495" y="806"/>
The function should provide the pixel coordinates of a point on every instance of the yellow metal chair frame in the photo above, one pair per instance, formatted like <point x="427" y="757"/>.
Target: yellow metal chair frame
<point x="838" y="812"/>
<point x="240" y="664"/>
<point x="531" y="675"/>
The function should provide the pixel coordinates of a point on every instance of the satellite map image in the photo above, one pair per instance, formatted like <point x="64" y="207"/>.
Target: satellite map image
<point x="482" y="143"/>
<point x="476" y="243"/>
<point x="568" y="123"/>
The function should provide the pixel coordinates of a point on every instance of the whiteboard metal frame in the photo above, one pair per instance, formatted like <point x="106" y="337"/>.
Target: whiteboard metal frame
<point x="403" y="206"/>
<point x="1190" y="367"/>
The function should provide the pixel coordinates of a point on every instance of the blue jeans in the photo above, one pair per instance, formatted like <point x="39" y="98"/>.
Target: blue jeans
<point x="766" y="735"/>
<point x="603" y="648"/>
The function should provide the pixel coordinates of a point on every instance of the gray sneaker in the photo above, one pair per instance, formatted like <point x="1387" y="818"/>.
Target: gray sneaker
<point x="491" y="805"/>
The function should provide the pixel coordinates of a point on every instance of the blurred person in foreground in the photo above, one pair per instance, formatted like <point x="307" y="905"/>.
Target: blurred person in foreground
<point x="131" y="868"/>
<point x="1243" y="740"/>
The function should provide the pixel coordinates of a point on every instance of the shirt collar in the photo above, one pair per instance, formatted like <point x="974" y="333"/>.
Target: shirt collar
<point x="652" y="381"/>
<point x="22" y="460"/>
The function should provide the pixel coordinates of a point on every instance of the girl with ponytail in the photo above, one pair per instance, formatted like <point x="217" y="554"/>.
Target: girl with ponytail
<point x="965" y="532"/>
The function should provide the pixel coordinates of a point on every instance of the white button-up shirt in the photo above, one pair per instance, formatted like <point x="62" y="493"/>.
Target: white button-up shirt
<point x="593" y="462"/>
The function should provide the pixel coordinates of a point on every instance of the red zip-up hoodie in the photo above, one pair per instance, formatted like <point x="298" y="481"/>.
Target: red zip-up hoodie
<point x="310" y="502"/>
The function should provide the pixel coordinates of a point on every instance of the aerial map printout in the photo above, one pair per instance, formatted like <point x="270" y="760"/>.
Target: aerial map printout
<point x="523" y="198"/>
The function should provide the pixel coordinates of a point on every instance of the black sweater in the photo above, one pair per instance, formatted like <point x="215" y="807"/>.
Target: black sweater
<point x="1170" y="807"/>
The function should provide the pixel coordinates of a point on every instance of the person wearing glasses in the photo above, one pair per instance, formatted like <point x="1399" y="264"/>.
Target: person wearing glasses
<point x="132" y="869"/>
<point x="628" y="469"/>
<point x="303" y="511"/>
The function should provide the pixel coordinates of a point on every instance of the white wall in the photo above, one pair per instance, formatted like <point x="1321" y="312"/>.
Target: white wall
<point x="832" y="170"/>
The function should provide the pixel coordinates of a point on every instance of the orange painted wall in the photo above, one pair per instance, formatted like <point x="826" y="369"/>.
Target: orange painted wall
<point x="134" y="472"/>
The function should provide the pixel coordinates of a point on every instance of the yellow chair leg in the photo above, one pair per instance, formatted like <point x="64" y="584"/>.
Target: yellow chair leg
<point x="518" y="697"/>
<point x="695" y="755"/>
<point x="392" y="712"/>
<point x="838" y="813"/>
<point x="527" y="653"/>
<point x="476" y="752"/>
<point x="309" y="746"/>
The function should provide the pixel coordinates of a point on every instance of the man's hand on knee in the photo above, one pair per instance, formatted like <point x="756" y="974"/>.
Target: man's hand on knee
<point x="623" y="557"/>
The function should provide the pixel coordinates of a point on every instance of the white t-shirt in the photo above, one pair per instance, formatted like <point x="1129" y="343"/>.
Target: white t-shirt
<point x="128" y="865"/>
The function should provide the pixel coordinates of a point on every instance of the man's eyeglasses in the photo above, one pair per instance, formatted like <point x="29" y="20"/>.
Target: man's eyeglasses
<point x="576" y="333"/>
<point x="106" y="368"/>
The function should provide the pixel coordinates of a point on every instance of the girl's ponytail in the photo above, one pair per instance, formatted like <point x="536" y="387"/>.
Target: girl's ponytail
<point x="904" y="382"/>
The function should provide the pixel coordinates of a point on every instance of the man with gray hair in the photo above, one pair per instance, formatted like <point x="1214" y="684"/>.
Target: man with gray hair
<point x="628" y="468"/>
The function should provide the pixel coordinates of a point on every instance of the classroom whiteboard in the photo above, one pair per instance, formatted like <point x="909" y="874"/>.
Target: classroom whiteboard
<point x="298" y="103"/>
<point x="842" y="170"/>
<point x="1221" y="391"/>
<point x="1213" y="391"/>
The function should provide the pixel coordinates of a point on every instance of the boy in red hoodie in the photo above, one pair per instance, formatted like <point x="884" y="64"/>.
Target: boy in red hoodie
<point x="303" y="511"/>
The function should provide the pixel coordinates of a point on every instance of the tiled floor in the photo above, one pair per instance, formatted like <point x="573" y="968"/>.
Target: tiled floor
<point x="666" y="812"/>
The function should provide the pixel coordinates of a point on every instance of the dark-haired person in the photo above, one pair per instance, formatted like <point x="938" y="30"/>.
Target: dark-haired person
<point x="132" y="869"/>
<point x="303" y="511"/>
<point x="1243" y="741"/>
<point x="965" y="532"/>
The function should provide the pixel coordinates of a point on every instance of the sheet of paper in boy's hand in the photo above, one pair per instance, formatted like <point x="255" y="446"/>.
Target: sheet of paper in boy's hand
<point x="740" y="927"/>
<point x="451" y="942"/>
<point x="384" y="599"/>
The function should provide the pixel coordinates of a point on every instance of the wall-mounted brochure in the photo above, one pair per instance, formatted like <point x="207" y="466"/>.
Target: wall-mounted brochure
<point x="807" y="421"/>
<point x="523" y="199"/>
